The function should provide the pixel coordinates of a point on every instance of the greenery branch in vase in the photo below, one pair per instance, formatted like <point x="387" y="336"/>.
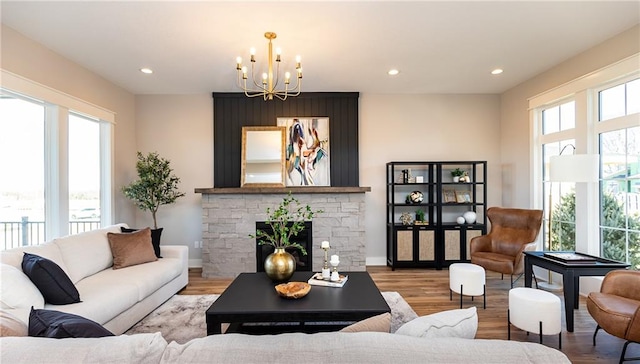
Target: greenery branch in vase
<point x="456" y="174"/>
<point x="156" y="186"/>
<point x="286" y="221"/>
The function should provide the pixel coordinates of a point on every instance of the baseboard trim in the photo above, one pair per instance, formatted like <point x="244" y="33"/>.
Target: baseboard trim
<point x="373" y="261"/>
<point x="195" y="263"/>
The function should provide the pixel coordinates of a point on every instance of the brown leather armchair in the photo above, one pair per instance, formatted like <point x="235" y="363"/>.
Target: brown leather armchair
<point x="616" y="308"/>
<point x="512" y="232"/>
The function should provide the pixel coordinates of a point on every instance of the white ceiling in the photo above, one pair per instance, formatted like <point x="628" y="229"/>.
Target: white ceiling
<point x="439" y="47"/>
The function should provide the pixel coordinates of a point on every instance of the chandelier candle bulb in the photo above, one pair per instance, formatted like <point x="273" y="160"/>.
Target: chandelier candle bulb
<point x="239" y="63"/>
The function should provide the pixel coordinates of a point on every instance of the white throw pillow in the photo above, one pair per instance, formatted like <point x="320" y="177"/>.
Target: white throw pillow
<point x="17" y="290"/>
<point x="454" y="323"/>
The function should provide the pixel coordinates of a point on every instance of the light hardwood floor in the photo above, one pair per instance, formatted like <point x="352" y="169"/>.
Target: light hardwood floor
<point x="427" y="291"/>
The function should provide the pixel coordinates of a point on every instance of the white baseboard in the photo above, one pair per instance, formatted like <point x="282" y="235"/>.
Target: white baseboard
<point x="376" y="261"/>
<point x="195" y="263"/>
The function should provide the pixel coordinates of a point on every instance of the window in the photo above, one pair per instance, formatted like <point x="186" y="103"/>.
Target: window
<point x="558" y="231"/>
<point x="58" y="151"/>
<point x="597" y="114"/>
<point x="619" y="190"/>
<point x="84" y="173"/>
<point x="560" y="227"/>
<point x="22" y="189"/>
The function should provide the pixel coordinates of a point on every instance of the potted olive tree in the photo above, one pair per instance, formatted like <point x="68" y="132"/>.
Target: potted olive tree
<point x="156" y="185"/>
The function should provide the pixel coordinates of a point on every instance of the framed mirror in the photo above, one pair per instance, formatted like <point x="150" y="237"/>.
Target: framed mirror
<point x="262" y="156"/>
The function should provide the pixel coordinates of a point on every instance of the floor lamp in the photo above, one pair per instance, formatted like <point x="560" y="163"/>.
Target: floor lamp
<point x="568" y="168"/>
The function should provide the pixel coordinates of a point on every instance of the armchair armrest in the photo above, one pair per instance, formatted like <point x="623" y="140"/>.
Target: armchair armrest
<point x="480" y="243"/>
<point x="518" y="264"/>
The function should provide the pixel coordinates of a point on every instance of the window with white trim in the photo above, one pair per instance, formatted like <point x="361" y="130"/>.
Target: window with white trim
<point x="56" y="155"/>
<point x="619" y="147"/>
<point x="595" y="218"/>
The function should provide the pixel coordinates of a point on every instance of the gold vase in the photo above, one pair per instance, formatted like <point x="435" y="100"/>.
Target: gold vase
<point x="279" y="265"/>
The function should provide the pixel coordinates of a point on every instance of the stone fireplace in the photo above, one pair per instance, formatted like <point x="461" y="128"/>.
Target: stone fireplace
<point x="229" y="215"/>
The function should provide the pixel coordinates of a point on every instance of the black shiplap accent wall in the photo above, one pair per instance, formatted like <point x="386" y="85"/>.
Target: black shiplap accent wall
<point x="232" y="111"/>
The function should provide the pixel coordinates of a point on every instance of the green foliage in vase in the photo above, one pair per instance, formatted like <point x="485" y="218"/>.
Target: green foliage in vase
<point x="286" y="220"/>
<point x="457" y="172"/>
<point x="419" y="215"/>
<point x="614" y="240"/>
<point x="156" y="184"/>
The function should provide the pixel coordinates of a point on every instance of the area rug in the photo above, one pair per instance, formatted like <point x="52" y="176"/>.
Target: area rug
<point x="182" y="317"/>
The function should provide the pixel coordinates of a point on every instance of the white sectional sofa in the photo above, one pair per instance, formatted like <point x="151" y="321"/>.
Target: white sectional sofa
<point x="333" y="347"/>
<point x="116" y="299"/>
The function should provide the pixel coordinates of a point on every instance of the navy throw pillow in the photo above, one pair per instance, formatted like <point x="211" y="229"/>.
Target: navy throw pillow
<point x="54" y="284"/>
<point x="155" y="238"/>
<point x="60" y="325"/>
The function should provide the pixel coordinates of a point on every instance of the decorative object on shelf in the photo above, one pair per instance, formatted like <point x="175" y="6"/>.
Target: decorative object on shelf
<point x="448" y="195"/>
<point x="465" y="177"/>
<point x="326" y="273"/>
<point x="406" y="218"/>
<point x="469" y="217"/>
<point x="456" y="174"/>
<point x="285" y="221"/>
<point x="293" y="289"/>
<point x="306" y="151"/>
<point x="416" y="197"/>
<point x="156" y="185"/>
<point x="419" y="216"/>
<point x="335" y="260"/>
<point x="463" y="196"/>
<point x="419" y="179"/>
<point x="267" y="87"/>
<point x="460" y="220"/>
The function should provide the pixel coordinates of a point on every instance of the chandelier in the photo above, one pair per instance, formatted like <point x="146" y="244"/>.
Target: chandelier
<point x="267" y="87"/>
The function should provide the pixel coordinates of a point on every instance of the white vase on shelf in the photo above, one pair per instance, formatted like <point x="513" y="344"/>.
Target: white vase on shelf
<point x="469" y="217"/>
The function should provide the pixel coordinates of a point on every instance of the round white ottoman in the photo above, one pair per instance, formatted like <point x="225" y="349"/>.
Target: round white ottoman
<point x="467" y="279"/>
<point x="536" y="311"/>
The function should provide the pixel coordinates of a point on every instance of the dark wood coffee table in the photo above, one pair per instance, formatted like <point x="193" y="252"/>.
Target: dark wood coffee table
<point x="251" y="298"/>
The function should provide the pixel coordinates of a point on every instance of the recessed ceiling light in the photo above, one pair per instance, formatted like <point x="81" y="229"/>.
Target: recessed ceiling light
<point x="146" y="70"/>
<point x="393" y="72"/>
<point x="496" y="71"/>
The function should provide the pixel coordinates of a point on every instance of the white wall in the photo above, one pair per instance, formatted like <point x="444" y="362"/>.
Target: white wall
<point x="422" y="128"/>
<point x="179" y="128"/>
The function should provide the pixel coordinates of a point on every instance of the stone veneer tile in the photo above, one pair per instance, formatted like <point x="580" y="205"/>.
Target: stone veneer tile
<point x="228" y="219"/>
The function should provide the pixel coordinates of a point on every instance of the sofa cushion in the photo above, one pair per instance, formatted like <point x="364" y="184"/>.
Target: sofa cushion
<point x="17" y="290"/>
<point x="86" y="253"/>
<point x="461" y="323"/>
<point x="47" y="250"/>
<point x="60" y="325"/>
<point x="140" y="348"/>
<point x="51" y="280"/>
<point x="145" y="278"/>
<point x="379" y="323"/>
<point x="155" y="238"/>
<point x="11" y="325"/>
<point x="120" y="291"/>
<point x="131" y="248"/>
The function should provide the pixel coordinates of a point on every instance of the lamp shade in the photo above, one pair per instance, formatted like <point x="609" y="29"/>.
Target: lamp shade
<point x="574" y="168"/>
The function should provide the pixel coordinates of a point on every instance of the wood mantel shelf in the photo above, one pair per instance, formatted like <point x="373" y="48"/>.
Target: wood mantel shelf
<point x="280" y="190"/>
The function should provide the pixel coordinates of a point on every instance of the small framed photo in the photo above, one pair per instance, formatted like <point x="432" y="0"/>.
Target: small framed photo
<point x="463" y="196"/>
<point x="448" y="195"/>
<point x="419" y="179"/>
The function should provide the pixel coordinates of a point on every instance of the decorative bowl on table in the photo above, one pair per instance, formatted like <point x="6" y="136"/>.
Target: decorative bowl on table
<point x="293" y="289"/>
